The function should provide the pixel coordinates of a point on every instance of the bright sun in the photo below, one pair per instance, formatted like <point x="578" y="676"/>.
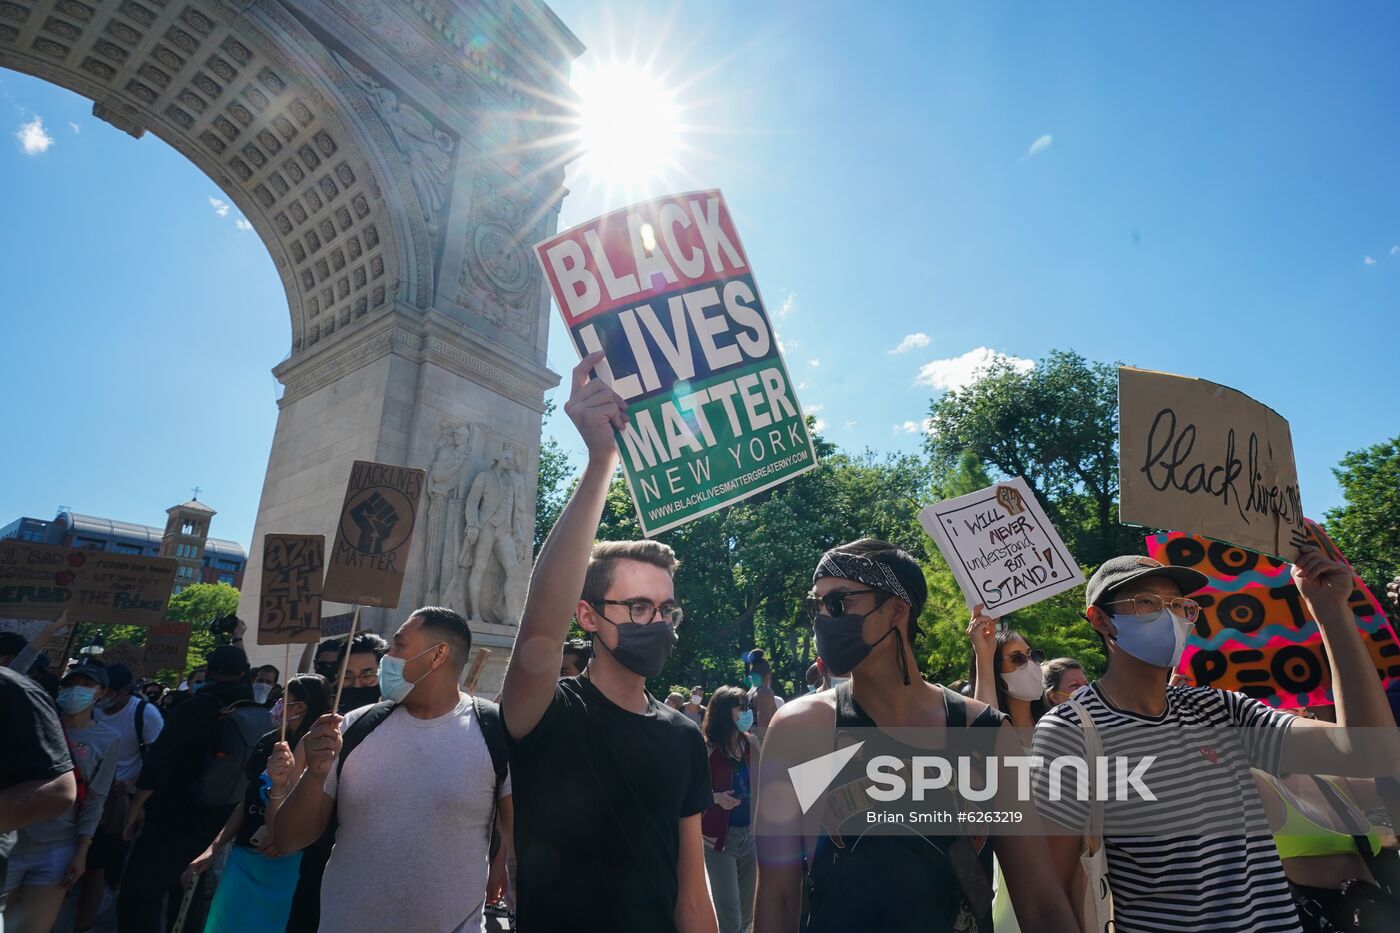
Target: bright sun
<point x="629" y="124"/>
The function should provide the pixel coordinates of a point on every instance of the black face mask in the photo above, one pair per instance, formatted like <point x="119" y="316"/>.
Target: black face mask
<point x="327" y="669"/>
<point x="642" y="649"/>
<point x="355" y="697"/>
<point x="841" y="646"/>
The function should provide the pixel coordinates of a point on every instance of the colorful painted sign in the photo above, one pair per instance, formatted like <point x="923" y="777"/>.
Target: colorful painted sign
<point x="1001" y="547"/>
<point x="665" y="290"/>
<point x="1254" y="634"/>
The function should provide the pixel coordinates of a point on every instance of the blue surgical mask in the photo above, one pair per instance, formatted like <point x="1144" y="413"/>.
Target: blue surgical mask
<point x="745" y="720"/>
<point x="392" y="685"/>
<point x="75" y="699"/>
<point x="1158" y="641"/>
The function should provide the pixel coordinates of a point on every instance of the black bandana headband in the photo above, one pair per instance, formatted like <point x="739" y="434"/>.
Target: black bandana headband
<point x="860" y="569"/>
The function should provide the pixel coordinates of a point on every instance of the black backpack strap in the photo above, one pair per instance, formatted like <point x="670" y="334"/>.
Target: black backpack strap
<point x="141" y="727"/>
<point x="360" y="730"/>
<point x="493" y="730"/>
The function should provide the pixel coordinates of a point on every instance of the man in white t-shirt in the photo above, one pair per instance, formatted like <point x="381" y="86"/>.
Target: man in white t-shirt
<point x="414" y="799"/>
<point x="107" y="857"/>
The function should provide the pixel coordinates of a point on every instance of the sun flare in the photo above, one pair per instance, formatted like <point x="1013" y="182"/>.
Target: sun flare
<point x="629" y="129"/>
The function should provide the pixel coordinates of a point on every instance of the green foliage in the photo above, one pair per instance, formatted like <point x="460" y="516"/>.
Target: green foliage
<point x="1055" y="425"/>
<point x="199" y="604"/>
<point x="555" y="483"/>
<point x="1367" y="527"/>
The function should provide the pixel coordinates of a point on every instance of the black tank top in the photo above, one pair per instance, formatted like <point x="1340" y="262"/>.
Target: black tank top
<point x="914" y="881"/>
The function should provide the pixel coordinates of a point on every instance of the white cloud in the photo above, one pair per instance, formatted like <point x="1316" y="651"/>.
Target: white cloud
<point x="1369" y="261"/>
<point x="850" y="424"/>
<point x="814" y="362"/>
<point x="915" y="427"/>
<point x="74" y="127"/>
<point x="1040" y="145"/>
<point x="961" y="371"/>
<point x="33" y="138"/>
<point x="220" y="207"/>
<point x="1395" y="250"/>
<point x="789" y="304"/>
<point x="813" y="409"/>
<point x="911" y="342"/>
<point x="819" y="425"/>
<point x="242" y="224"/>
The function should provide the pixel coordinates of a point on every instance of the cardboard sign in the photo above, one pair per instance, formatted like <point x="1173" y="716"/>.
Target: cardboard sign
<point x="369" y="555"/>
<point x="124" y="652"/>
<point x="289" y="603"/>
<point x="1201" y="458"/>
<point x="1002" y="549"/>
<point x="167" y="648"/>
<point x="1254" y="634"/>
<point x="664" y="288"/>
<point x="336" y="625"/>
<point x="40" y="581"/>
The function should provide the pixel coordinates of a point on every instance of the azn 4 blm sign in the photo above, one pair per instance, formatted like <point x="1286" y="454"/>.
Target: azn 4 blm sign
<point x="664" y="289"/>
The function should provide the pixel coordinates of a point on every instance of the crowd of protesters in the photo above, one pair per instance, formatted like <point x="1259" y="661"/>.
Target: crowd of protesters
<point x="576" y="800"/>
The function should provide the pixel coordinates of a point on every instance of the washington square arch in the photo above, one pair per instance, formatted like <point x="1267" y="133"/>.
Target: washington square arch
<point x="397" y="158"/>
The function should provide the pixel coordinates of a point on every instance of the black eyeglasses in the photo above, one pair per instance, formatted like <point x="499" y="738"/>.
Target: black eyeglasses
<point x="643" y="611"/>
<point x="1019" y="659"/>
<point x="835" y="602"/>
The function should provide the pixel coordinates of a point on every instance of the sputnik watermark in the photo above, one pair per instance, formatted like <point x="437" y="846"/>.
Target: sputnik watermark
<point x="890" y="778"/>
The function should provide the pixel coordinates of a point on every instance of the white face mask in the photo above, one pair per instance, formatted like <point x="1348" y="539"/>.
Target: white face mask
<point x="261" y="692"/>
<point x="695" y="699"/>
<point x="1024" y="684"/>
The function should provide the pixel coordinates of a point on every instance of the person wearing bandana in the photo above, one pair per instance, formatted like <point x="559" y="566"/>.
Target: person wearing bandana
<point x="865" y="604"/>
<point x="610" y="782"/>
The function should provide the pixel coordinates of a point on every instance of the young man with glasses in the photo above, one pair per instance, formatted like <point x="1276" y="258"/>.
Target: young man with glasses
<point x="611" y="782"/>
<point x="865" y="605"/>
<point x="1199" y="856"/>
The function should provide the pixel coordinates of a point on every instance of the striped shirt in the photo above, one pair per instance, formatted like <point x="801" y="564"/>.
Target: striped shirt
<point x="1201" y="856"/>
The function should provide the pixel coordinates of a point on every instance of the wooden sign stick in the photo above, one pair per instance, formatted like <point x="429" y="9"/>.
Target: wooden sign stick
<point x="345" y="661"/>
<point x="286" y="690"/>
<point x="474" y="672"/>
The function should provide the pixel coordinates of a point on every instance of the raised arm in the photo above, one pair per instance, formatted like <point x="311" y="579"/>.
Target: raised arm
<point x="557" y="582"/>
<point x="982" y="632"/>
<point x="1315" y="747"/>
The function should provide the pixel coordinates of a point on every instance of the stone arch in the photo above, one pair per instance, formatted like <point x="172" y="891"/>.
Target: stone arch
<point x="395" y="159"/>
<point x="248" y="95"/>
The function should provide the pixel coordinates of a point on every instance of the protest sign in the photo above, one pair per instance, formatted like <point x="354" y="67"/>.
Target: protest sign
<point x="40" y="581"/>
<point x="664" y="289"/>
<point x="125" y="652"/>
<point x="1003" y="551"/>
<point x="372" y="539"/>
<point x="1205" y="459"/>
<point x="167" y="648"/>
<point x="1254" y="634"/>
<point x="336" y="625"/>
<point x="289" y="603"/>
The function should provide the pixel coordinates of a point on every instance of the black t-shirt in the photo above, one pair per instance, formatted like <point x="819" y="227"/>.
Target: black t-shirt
<point x="34" y="748"/>
<point x="255" y="797"/>
<point x="599" y="795"/>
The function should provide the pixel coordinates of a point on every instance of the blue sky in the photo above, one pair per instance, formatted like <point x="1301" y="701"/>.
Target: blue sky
<point x="1196" y="190"/>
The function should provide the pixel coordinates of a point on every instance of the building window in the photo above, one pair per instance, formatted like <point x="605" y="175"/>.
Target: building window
<point x="90" y="544"/>
<point x="122" y="548"/>
<point x="226" y="578"/>
<point x="30" y="536"/>
<point x="230" y="565"/>
<point x="176" y="590"/>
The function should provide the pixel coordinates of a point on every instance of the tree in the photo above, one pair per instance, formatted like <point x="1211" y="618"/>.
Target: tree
<point x="199" y="604"/>
<point x="554" y="485"/>
<point x="1056" y="425"/>
<point x="1367" y="527"/>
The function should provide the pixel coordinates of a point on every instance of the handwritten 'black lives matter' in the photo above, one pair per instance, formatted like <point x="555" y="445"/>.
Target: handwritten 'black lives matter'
<point x="1205" y="459"/>
<point x="372" y="540"/>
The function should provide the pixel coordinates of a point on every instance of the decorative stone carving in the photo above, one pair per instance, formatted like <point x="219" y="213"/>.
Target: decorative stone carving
<point x="446" y="489"/>
<point x="499" y="280"/>
<point x="427" y="149"/>
<point x="490" y="578"/>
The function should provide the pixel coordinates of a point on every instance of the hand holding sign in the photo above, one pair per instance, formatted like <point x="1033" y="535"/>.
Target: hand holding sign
<point x="595" y="409"/>
<point x="1321" y="580"/>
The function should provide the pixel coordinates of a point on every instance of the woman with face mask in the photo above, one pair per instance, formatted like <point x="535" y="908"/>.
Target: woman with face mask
<point x="1062" y="677"/>
<point x="1005" y="671"/>
<point x="729" y="846"/>
<point x="51" y="855"/>
<point x="256" y="890"/>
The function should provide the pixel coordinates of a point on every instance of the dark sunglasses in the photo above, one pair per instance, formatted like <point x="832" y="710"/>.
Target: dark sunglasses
<point x="1018" y="659"/>
<point x="835" y="602"/>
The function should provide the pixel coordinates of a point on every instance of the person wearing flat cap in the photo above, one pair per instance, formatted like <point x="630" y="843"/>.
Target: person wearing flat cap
<point x="1197" y="854"/>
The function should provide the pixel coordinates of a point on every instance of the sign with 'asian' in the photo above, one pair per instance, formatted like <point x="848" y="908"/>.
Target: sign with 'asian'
<point x="1002" y="549"/>
<point x="665" y="290"/>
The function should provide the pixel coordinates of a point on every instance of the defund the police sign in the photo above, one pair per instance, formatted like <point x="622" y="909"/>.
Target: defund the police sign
<point x="664" y="289"/>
